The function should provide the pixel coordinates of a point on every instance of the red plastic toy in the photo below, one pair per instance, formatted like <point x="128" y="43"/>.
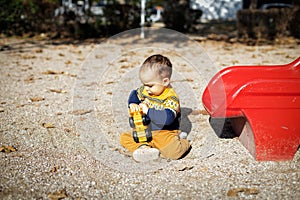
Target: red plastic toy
<point x="264" y="105"/>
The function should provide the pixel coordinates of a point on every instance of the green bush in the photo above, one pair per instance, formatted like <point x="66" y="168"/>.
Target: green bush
<point x="26" y="16"/>
<point x="19" y="17"/>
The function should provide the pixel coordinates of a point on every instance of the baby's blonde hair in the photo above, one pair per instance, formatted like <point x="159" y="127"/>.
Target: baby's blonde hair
<point x="160" y="64"/>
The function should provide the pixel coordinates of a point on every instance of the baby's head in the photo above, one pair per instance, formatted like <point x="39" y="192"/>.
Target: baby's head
<point x="155" y="73"/>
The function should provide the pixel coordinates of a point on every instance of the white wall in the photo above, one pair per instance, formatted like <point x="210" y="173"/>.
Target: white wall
<point x="217" y="9"/>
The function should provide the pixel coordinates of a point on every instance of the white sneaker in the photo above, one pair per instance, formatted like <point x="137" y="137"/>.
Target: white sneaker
<point x="145" y="154"/>
<point x="183" y="135"/>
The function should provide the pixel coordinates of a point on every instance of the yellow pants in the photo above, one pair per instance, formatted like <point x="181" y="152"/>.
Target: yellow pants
<point x="167" y="142"/>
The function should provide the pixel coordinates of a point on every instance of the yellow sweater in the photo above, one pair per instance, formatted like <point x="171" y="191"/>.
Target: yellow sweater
<point x="167" y="100"/>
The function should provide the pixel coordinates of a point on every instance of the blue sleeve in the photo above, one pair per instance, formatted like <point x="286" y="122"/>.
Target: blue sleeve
<point x="133" y="98"/>
<point x="161" y="117"/>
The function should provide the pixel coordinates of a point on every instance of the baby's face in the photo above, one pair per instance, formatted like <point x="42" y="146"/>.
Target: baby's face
<point x="153" y="83"/>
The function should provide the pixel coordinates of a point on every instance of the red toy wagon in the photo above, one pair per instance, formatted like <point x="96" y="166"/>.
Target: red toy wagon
<point x="263" y="104"/>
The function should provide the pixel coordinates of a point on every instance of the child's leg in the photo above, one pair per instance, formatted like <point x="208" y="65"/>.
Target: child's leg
<point x="127" y="141"/>
<point x="169" y="143"/>
<point x="141" y="153"/>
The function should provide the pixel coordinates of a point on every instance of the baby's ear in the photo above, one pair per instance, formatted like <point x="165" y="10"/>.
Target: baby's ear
<point x="166" y="82"/>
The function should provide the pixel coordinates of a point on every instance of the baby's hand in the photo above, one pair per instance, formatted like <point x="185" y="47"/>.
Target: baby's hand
<point x="134" y="107"/>
<point x="144" y="107"/>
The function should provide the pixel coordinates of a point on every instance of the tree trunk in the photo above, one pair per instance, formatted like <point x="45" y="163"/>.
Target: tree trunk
<point x="253" y="4"/>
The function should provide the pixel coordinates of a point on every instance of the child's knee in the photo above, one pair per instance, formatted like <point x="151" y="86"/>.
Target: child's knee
<point x="176" y="149"/>
<point x="124" y="138"/>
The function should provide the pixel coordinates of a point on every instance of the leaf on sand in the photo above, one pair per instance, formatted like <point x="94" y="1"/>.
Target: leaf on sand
<point x="185" y="168"/>
<point x="54" y="169"/>
<point x="30" y="79"/>
<point x="183" y="80"/>
<point x="39" y="51"/>
<point x="48" y="125"/>
<point x="57" y="91"/>
<point x="68" y="130"/>
<point x="248" y="191"/>
<point x="81" y="112"/>
<point x="197" y="112"/>
<point x="27" y="56"/>
<point x="7" y="149"/>
<point x="50" y="72"/>
<point x="35" y="99"/>
<point x="60" y="194"/>
<point x="68" y="74"/>
<point x="110" y="82"/>
<point x="68" y="62"/>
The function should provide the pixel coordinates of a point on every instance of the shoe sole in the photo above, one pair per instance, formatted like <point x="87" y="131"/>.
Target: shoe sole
<point x="145" y="154"/>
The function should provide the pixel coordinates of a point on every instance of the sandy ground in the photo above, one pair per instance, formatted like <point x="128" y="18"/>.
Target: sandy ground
<point x="63" y="106"/>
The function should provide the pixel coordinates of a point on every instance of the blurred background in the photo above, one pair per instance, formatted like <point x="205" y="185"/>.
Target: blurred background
<point x="241" y="20"/>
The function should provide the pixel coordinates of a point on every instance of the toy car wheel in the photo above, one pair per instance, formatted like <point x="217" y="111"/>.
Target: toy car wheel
<point x="131" y="122"/>
<point x="146" y="120"/>
<point x="148" y="135"/>
<point x="135" y="137"/>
